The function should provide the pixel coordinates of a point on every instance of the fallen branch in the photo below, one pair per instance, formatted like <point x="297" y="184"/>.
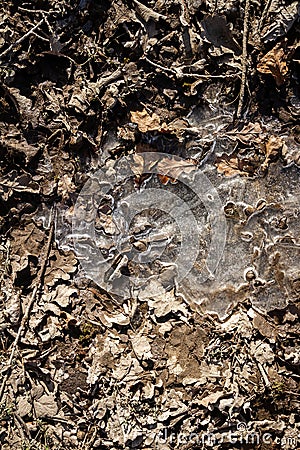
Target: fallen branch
<point x="177" y="71"/>
<point x="25" y="318"/>
<point x="244" y="59"/>
<point x="19" y="41"/>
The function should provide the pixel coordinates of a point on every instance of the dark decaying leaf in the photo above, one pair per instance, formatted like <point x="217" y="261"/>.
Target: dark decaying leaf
<point x="282" y="21"/>
<point x="275" y="63"/>
<point x="217" y="32"/>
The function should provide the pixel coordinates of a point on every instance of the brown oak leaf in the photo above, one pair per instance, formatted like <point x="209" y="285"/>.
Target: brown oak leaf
<point x="144" y="121"/>
<point x="275" y="63"/>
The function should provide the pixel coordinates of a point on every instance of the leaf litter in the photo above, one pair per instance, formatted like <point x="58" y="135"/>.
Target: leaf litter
<point x="196" y="365"/>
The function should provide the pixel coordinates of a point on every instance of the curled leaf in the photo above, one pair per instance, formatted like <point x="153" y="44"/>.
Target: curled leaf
<point x="229" y="166"/>
<point x="144" y="121"/>
<point x="275" y="63"/>
<point x="174" y="168"/>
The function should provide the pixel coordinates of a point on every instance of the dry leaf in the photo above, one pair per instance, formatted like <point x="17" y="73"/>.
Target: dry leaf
<point x="250" y="133"/>
<point x="291" y="151"/>
<point x="262" y="352"/>
<point x="284" y="18"/>
<point x="24" y="407"/>
<point x="46" y="406"/>
<point x="61" y="266"/>
<point x="27" y="112"/>
<point x="144" y="121"/>
<point x="141" y="345"/>
<point x="272" y="149"/>
<point x="166" y="303"/>
<point x="12" y="183"/>
<point x="116" y="318"/>
<point x="273" y="146"/>
<point x="216" y="31"/>
<point x="164" y="179"/>
<point x="65" y="186"/>
<point x="274" y="63"/>
<point x="265" y="328"/>
<point x="173" y="168"/>
<point x="138" y="167"/>
<point x="176" y="126"/>
<point x="229" y="167"/>
<point x="147" y="13"/>
<point x="61" y="295"/>
<point x="211" y="398"/>
<point x="13" y="141"/>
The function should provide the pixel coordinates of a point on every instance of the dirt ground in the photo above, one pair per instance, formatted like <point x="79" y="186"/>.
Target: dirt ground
<point x="199" y="101"/>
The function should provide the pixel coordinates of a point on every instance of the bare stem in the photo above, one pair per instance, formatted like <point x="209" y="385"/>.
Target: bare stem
<point x="244" y="59"/>
<point x="14" y="44"/>
<point x="25" y="318"/>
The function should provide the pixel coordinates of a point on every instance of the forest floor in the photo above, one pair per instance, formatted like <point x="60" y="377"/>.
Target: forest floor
<point x="100" y="101"/>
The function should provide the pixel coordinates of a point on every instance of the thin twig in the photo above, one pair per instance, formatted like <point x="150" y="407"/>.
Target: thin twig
<point x="158" y="66"/>
<point x="19" y="41"/>
<point x="177" y="71"/>
<point x="29" y="307"/>
<point x="40" y="37"/>
<point x="264" y="15"/>
<point x="263" y="374"/>
<point x="244" y="59"/>
<point x="35" y="10"/>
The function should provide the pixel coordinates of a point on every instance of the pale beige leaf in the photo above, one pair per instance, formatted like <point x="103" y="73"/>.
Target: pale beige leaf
<point x="144" y="121"/>
<point x="174" y="168"/>
<point x="138" y="166"/>
<point x="229" y="167"/>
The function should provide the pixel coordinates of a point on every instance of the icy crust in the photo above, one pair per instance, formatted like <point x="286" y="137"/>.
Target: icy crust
<point x="261" y="260"/>
<point x="234" y="240"/>
<point x="135" y="233"/>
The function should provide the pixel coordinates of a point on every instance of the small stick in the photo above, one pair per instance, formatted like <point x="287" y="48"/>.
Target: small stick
<point x="178" y="72"/>
<point x="29" y="307"/>
<point x="264" y="15"/>
<point x="21" y="38"/>
<point x="244" y="59"/>
<point x="35" y="10"/>
<point x="263" y="374"/>
<point x="158" y="66"/>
